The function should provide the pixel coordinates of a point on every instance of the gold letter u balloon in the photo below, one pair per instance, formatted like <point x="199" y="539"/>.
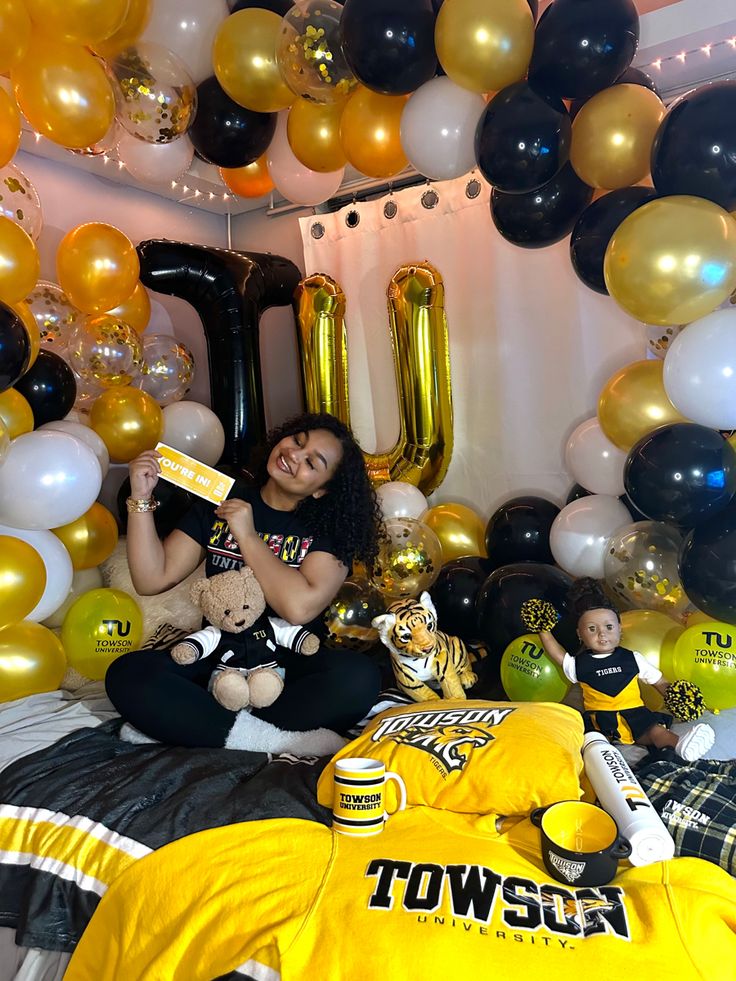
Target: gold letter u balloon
<point x="416" y="311"/>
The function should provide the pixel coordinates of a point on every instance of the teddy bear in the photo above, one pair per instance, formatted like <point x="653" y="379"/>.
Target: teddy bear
<point x="242" y="640"/>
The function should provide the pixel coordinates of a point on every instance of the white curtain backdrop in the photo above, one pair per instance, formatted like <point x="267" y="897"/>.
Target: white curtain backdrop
<point x="530" y="346"/>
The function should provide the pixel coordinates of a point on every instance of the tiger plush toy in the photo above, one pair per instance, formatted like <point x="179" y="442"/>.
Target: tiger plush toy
<point x="424" y="659"/>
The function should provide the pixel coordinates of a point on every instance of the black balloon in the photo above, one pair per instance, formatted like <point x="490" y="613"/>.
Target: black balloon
<point x="173" y="504"/>
<point x="708" y="565"/>
<point x="49" y="388"/>
<point x="15" y="347"/>
<point x="522" y="139"/>
<point x="594" y="230"/>
<point x="539" y="218"/>
<point x="583" y="46"/>
<point x="694" y="151"/>
<point x="454" y="595"/>
<point x="518" y="531"/>
<point x="632" y="76"/>
<point x="681" y="473"/>
<point x="229" y="290"/>
<point x="225" y="133"/>
<point x="389" y="46"/>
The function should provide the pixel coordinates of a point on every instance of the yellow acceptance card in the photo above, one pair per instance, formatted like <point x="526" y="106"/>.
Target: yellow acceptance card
<point x="196" y="477"/>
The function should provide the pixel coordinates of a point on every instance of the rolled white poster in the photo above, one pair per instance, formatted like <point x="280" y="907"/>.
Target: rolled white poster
<point x="621" y="794"/>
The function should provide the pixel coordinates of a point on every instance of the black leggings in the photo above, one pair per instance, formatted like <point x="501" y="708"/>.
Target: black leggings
<point x="170" y="701"/>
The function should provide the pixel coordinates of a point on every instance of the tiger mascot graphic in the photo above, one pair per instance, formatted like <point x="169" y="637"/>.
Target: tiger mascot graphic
<point x="428" y="664"/>
<point x="452" y="746"/>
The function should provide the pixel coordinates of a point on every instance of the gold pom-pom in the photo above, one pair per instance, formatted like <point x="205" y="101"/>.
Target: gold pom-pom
<point x="539" y="615"/>
<point x="684" y="700"/>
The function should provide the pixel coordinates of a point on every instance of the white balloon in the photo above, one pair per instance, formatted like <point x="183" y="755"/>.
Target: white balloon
<point x="398" y="499"/>
<point x="59" y="570"/>
<point x="293" y="180"/>
<point x="438" y="126"/>
<point x="188" y="28"/>
<point x="194" y="429"/>
<point x="700" y="371"/>
<point x="87" y="435"/>
<point x="593" y="461"/>
<point x="82" y="581"/>
<point x="580" y="533"/>
<point x="155" y="164"/>
<point x="47" y="480"/>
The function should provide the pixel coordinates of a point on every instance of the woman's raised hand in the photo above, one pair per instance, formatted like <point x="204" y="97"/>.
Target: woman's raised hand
<point x="144" y="472"/>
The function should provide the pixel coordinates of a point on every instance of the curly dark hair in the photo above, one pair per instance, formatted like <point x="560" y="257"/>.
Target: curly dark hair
<point x="587" y="594"/>
<point x="349" y="514"/>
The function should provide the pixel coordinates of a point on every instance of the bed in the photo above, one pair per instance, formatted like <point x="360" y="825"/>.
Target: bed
<point x="90" y="826"/>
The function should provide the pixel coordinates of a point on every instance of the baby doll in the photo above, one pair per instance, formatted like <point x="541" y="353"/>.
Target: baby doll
<point x="609" y="677"/>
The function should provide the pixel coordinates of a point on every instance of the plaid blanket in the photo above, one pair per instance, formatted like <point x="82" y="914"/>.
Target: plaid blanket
<point x="697" y="802"/>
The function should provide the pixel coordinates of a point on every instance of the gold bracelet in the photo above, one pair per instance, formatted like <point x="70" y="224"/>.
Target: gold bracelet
<point x="136" y="505"/>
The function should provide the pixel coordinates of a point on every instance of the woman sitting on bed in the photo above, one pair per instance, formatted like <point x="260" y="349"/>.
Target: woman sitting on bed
<point x="312" y="513"/>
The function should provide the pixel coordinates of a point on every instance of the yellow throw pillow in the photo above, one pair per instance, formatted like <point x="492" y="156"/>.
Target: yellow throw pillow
<point x="474" y="757"/>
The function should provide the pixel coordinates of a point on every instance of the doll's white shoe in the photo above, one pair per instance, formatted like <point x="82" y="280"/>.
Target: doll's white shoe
<point x="696" y="742"/>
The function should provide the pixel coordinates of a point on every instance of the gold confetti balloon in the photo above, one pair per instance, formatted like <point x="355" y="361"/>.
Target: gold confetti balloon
<point x="660" y="338"/>
<point x="641" y="567"/>
<point x="155" y="97"/>
<point x="309" y="53"/>
<point x="55" y="315"/>
<point x="348" y="619"/>
<point x="19" y="200"/>
<point x="409" y="560"/>
<point x="167" y="368"/>
<point x="105" y="351"/>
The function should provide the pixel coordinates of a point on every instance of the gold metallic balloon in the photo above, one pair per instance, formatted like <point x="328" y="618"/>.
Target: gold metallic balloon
<point x="22" y="579"/>
<point x="244" y="57"/>
<point x="484" y="45"/>
<point x="106" y="351"/>
<point x="133" y="25"/>
<point x="370" y="133"/>
<point x="313" y="131"/>
<point x="15" y="32"/>
<point x="251" y="181"/>
<point x="653" y="635"/>
<point x="29" y="322"/>
<point x="64" y="93"/>
<point x="409" y="560"/>
<point x="15" y="413"/>
<point x="19" y="262"/>
<point x="99" y="626"/>
<point x="422" y="452"/>
<point x="612" y="136"/>
<point x="32" y="660"/>
<point x="9" y="127"/>
<point x="91" y="538"/>
<point x="640" y="567"/>
<point x="97" y="266"/>
<point x="673" y="260"/>
<point x="633" y="402"/>
<point x="460" y="529"/>
<point x="78" y="21"/>
<point x="128" y="421"/>
<point x="350" y="615"/>
<point x="135" y="311"/>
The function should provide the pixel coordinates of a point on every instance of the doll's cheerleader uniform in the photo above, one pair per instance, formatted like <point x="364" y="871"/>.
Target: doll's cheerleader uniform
<point x="611" y="697"/>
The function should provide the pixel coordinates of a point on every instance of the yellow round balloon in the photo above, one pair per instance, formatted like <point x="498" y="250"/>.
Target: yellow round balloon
<point x="15" y="413"/>
<point x="19" y="262"/>
<point x="78" y="21"/>
<point x="64" y="93"/>
<point x="98" y="627"/>
<point x="705" y="654"/>
<point x="673" y="260"/>
<point x="653" y="635"/>
<point x="135" y="311"/>
<point x="128" y="420"/>
<point x="370" y="133"/>
<point x="32" y="660"/>
<point x="484" y="45"/>
<point x="244" y="56"/>
<point x="15" y="32"/>
<point x="9" y="128"/>
<point x="460" y="529"/>
<point x="91" y="538"/>
<point x="97" y="266"/>
<point x="134" y="24"/>
<point x="251" y="181"/>
<point x="633" y="402"/>
<point x="22" y="579"/>
<point x="612" y="136"/>
<point x="314" y="135"/>
<point x="34" y="332"/>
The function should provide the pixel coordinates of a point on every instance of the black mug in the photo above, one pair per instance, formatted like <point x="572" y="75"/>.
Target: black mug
<point x="581" y="844"/>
